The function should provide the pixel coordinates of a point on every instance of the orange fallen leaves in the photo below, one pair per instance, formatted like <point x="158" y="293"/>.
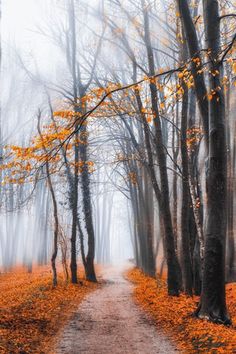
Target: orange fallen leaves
<point x="174" y="316"/>
<point x="32" y="312"/>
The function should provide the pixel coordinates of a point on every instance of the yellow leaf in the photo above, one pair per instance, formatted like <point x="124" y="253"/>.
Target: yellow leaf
<point x="234" y="68"/>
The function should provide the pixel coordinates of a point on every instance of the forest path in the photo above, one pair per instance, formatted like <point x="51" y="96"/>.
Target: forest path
<point x="109" y="322"/>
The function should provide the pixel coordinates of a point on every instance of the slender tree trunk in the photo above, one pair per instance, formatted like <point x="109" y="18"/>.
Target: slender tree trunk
<point x="148" y="206"/>
<point x="196" y="212"/>
<point x="175" y="149"/>
<point x="185" y="213"/>
<point x="231" y="240"/>
<point x="55" y="210"/>
<point x="87" y="205"/>
<point x="74" y="205"/>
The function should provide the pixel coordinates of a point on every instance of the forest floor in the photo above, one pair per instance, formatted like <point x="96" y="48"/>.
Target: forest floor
<point x="32" y="312"/>
<point x="174" y="316"/>
<point x="108" y="321"/>
<point x="125" y="313"/>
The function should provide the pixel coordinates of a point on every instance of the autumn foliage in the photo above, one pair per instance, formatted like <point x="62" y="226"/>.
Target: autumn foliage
<point x="174" y="316"/>
<point x="32" y="312"/>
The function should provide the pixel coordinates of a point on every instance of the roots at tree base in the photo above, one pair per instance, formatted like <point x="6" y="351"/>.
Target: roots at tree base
<point x="213" y="315"/>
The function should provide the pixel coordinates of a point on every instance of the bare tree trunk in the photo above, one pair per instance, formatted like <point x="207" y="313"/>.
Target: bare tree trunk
<point x="185" y="213"/>
<point x="175" y="149"/>
<point x="74" y="204"/>
<point x="89" y="269"/>
<point x="213" y="302"/>
<point x="55" y="209"/>
<point x="231" y="240"/>
<point x="194" y="50"/>
<point x="72" y="54"/>
<point x="196" y="212"/>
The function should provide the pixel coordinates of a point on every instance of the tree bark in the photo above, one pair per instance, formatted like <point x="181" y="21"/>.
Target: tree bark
<point x="185" y="212"/>
<point x="195" y="53"/>
<point x="87" y="206"/>
<point x="213" y="302"/>
<point x="55" y="209"/>
<point x="173" y="273"/>
<point x="74" y="204"/>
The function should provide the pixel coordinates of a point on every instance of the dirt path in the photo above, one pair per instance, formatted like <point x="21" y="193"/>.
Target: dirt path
<point x="108" y="322"/>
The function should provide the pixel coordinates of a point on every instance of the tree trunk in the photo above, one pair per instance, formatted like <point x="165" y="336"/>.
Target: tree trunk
<point x="213" y="302"/>
<point x="74" y="208"/>
<point x="55" y="210"/>
<point x="187" y="263"/>
<point x="89" y="268"/>
<point x="194" y="50"/>
<point x="173" y="274"/>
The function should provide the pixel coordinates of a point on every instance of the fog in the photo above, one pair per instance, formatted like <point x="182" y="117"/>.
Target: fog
<point x="79" y="160"/>
<point x="33" y="67"/>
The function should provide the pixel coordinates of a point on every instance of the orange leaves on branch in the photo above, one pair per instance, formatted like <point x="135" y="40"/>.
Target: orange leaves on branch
<point x="153" y="80"/>
<point x="82" y="165"/>
<point x="23" y="162"/>
<point x="186" y="78"/>
<point x="214" y="72"/>
<point x="65" y="114"/>
<point x="133" y="178"/>
<point x="231" y="61"/>
<point x="194" y="136"/>
<point x="234" y="68"/>
<point x="149" y="119"/>
<point x="197" y="61"/>
<point x="213" y="94"/>
<point x="179" y="90"/>
<point x="197" y="203"/>
<point x="162" y="105"/>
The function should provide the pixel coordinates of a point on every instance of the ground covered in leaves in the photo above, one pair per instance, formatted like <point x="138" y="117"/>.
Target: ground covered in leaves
<point x="32" y="312"/>
<point x="174" y="316"/>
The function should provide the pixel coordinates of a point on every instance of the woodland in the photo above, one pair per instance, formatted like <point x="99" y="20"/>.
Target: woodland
<point x="117" y="171"/>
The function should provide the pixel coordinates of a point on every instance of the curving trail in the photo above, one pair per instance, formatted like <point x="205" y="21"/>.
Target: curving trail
<point x="108" y="322"/>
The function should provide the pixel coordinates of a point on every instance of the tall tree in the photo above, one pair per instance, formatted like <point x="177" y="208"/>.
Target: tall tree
<point x="172" y="261"/>
<point x="212" y="304"/>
